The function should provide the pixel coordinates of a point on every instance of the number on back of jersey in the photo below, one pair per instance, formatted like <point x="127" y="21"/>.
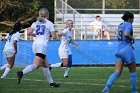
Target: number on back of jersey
<point x="40" y="29"/>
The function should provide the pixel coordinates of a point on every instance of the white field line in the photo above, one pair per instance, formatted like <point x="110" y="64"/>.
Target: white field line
<point x="73" y="83"/>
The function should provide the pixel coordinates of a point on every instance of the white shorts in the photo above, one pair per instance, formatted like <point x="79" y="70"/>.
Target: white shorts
<point x="38" y="48"/>
<point x="8" y="52"/>
<point x="64" y="53"/>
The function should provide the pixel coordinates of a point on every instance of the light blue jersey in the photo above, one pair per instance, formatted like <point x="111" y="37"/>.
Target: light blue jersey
<point x="124" y="51"/>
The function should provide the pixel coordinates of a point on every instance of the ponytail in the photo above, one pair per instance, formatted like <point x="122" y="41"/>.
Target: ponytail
<point x="41" y="19"/>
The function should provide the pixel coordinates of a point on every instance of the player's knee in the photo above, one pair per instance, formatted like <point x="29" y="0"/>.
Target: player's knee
<point x="65" y="64"/>
<point x="11" y="65"/>
<point x="41" y="55"/>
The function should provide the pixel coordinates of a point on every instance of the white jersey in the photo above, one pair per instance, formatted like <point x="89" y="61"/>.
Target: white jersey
<point x="10" y="40"/>
<point x="65" y="40"/>
<point x="43" y="30"/>
<point x="97" y="25"/>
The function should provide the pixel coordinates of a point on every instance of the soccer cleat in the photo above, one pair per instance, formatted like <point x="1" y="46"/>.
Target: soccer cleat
<point x="2" y="77"/>
<point x="19" y="76"/>
<point x="50" y="68"/>
<point x="104" y="91"/>
<point x="54" y="85"/>
<point x="135" y="92"/>
<point x="66" y="76"/>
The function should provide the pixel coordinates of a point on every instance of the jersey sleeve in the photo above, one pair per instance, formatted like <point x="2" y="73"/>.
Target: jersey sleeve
<point x="17" y="36"/>
<point x="52" y="29"/>
<point x="33" y="26"/>
<point x="65" y="31"/>
<point x="7" y="36"/>
<point x="128" y="28"/>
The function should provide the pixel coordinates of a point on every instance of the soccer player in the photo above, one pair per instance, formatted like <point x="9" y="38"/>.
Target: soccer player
<point x="10" y="48"/>
<point x="124" y="53"/>
<point x="43" y="29"/>
<point x="64" y="48"/>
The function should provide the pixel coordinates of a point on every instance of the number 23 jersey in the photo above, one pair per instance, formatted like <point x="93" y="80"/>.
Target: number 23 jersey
<point x="42" y="31"/>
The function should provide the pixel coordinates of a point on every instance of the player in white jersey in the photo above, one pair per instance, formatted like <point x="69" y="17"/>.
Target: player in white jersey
<point x="64" y="48"/>
<point x="43" y="28"/>
<point x="10" y="48"/>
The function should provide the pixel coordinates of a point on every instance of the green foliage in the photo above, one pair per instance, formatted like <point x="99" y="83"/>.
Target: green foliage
<point x="110" y="4"/>
<point x="24" y="10"/>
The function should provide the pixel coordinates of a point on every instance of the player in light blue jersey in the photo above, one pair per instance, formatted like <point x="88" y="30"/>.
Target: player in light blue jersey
<point x="124" y="53"/>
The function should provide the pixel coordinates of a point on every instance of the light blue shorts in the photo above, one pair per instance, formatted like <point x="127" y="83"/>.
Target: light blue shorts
<point x="125" y="55"/>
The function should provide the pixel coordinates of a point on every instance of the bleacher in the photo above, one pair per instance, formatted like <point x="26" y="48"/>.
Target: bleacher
<point x="112" y="20"/>
<point x="63" y="12"/>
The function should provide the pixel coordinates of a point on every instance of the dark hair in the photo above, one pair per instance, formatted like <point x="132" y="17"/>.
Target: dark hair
<point x="127" y="15"/>
<point x="17" y="27"/>
<point x="97" y="16"/>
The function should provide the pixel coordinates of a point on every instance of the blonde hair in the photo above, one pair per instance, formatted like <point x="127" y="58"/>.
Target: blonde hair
<point x="43" y="13"/>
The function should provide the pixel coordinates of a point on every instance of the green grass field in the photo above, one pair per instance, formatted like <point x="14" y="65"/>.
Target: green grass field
<point x="81" y="80"/>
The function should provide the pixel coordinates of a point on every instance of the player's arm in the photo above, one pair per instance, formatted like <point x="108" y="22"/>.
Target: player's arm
<point x="75" y="44"/>
<point x="127" y="34"/>
<point x="130" y="37"/>
<point x="30" y="31"/>
<point x="15" y="45"/>
<point x="16" y="39"/>
<point x="4" y="39"/>
<point x="54" y="35"/>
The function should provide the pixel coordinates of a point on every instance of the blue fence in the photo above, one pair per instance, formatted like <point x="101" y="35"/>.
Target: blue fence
<point x="90" y="52"/>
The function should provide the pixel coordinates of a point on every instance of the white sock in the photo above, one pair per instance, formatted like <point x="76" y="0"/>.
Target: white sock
<point x="29" y="69"/>
<point x="56" y="65"/>
<point x="4" y="66"/>
<point x="6" y="72"/>
<point x="48" y="75"/>
<point x="67" y="69"/>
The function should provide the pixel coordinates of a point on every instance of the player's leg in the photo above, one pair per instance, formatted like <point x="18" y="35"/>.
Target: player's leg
<point x="130" y="60"/>
<point x="47" y="74"/>
<point x="68" y="67"/>
<point x="114" y="76"/>
<point x="59" y="64"/>
<point x="38" y="60"/>
<point x="63" y="56"/>
<point x="9" y="66"/>
<point x="133" y="76"/>
<point x="4" y="66"/>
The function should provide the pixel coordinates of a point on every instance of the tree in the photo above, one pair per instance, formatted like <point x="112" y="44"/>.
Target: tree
<point x="23" y="10"/>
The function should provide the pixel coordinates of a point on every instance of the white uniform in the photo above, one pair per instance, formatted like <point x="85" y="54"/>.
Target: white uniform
<point x="9" y="49"/>
<point x="42" y="30"/>
<point x="97" y="25"/>
<point x="64" y="49"/>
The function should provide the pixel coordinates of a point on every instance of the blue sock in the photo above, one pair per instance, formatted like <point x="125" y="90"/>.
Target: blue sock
<point x="111" y="79"/>
<point x="70" y="61"/>
<point x="133" y="79"/>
